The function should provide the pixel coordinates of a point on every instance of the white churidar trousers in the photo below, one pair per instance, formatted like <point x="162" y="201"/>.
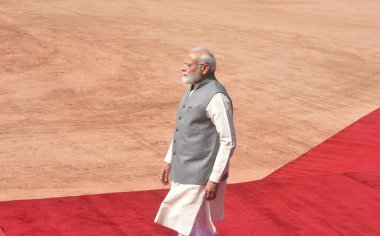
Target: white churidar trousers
<point x="202" y="225"/>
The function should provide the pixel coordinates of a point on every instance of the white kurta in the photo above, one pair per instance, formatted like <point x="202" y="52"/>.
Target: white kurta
<point x="181" y="205"/>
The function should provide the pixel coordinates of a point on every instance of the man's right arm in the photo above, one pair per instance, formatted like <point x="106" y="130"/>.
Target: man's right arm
<point x="164" y="176"/>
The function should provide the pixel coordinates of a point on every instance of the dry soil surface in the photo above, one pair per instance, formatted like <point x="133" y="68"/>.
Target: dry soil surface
<point x="89" y="89"/>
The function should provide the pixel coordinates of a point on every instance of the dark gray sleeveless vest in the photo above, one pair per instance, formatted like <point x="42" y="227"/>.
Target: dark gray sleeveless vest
<point x="195" y="141"/>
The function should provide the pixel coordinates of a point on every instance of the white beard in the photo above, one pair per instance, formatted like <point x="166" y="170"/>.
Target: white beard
<point x="192" y="79"/>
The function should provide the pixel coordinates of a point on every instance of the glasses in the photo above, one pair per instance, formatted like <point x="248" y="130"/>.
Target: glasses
<point x="189" y="65"/>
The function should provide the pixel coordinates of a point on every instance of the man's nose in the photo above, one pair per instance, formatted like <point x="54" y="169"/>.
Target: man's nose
<point x="184" y="68"/>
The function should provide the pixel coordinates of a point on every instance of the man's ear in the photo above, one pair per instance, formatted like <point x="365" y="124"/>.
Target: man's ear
<point x="205" y="69"/>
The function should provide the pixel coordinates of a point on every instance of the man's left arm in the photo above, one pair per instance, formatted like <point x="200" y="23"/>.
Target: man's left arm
<point x="219" y="110"/>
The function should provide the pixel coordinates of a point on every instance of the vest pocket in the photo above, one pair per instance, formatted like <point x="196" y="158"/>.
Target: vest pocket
<point x="195" y="117"/>
<point x="193" y="140"/>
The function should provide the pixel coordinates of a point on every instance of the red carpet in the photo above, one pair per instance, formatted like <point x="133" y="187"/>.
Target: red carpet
<point x="334" y="189"/>
<point x="354" y="149"/>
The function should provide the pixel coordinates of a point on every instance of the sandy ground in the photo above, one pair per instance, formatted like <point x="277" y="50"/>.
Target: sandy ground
<point x="89" y="89"/>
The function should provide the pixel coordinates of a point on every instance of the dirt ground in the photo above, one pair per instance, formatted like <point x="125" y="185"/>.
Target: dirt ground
<point x="89" y="89"/>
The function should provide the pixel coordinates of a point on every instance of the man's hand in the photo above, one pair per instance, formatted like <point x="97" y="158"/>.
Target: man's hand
<point x="164" y="176"/>
<point x="210" y="190"/>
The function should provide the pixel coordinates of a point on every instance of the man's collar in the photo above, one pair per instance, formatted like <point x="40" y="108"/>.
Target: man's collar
<point x="205" y="81"/>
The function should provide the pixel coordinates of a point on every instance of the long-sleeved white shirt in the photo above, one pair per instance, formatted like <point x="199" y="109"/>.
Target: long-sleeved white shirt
<point x="219" y="110"/>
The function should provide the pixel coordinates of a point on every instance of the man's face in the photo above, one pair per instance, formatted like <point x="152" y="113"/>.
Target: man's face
<point x="191" y="71"/>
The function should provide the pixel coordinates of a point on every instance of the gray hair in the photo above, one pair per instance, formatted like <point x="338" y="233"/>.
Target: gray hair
<point x="206" y="58"/>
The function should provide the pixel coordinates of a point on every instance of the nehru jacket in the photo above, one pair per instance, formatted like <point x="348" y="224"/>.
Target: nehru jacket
<point x="195" y="140"/>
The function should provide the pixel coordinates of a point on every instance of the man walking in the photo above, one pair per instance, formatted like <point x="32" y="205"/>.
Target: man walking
<point x="197" y="161"/>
